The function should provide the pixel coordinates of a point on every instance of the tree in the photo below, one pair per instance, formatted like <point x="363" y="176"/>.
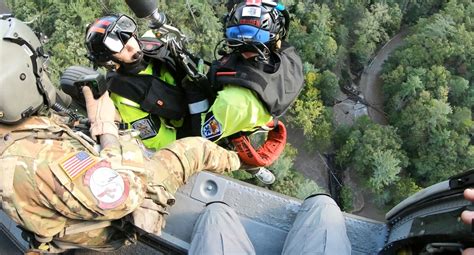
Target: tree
<point x="347" y="199"/>
<point x="199" y="22"/>
<point x="386" y="169"/>
<point x="320" y="136"/>
<point x="397" y="192"/>
<point x="308" y="106"/>
<point x="283" y="165"/>
<point x="461" y="92"/>
<point x="430" y="94"/>
<point x="328" y="84"/>
<point x="461" y="120"/>
<point x="374" y="28"/>
<point x="308" y="111"/>
<point x="296" y="185"/>
<point x="374" y="152"/>
<point x="420" y="118"/>
<point x="415" y="9"/>
<point x="312" y="34"/>
<point x="288" y="181"/>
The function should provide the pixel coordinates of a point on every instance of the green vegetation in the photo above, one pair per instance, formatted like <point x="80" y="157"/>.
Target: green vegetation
<point x="374" y="152"/>
<point x="290" y="182"/>
<point x="347" y="199"/>
<point x="428" y="83"/>
<point x="429" y="91"/>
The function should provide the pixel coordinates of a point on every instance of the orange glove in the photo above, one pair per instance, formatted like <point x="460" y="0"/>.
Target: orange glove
<point x="267" y="153"/>
<point x="101" y="113"/>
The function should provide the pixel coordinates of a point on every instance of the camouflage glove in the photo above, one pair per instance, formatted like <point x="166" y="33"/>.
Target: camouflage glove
<point x="101" y="113"/>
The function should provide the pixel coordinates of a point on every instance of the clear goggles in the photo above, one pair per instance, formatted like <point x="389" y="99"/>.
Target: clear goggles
<point x="118" y="35"/>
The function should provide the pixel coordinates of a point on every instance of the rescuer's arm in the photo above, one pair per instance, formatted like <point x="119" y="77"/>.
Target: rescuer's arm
<point x="174" y="164"/>
<point x="101" y="114"/>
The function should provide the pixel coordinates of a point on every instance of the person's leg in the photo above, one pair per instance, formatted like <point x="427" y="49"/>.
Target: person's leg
<point x="218" y="231"/>
<point x="319" y="228"/>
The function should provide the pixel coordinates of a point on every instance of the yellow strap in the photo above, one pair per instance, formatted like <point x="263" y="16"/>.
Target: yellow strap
<point x="43" y="247"/>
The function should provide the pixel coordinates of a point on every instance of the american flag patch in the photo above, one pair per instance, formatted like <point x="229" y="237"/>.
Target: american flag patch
<point x="76" y="164"/>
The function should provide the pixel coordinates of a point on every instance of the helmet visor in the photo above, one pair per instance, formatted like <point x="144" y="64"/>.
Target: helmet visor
<point x="120" y="33"/>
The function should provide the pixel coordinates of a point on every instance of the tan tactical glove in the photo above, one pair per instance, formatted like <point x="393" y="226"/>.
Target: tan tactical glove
<point x="101" y="114"/>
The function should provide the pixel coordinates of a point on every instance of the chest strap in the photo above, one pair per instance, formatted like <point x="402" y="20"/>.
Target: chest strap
<point x="84" y="227"/>
<point x="6" y="140"/>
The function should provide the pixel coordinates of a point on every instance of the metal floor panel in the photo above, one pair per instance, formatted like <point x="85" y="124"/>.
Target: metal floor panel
<point x="267" y="216"/>
<point x="7" y="247"/>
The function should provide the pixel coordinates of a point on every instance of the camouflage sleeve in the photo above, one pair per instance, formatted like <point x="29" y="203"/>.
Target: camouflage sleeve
<point x="55" y="181"/>
<point x="176" y="163"/>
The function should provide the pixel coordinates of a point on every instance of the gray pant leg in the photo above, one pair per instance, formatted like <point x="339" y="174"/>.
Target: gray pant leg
<point x="319" y="228"/>
<point x="218" y="231"/>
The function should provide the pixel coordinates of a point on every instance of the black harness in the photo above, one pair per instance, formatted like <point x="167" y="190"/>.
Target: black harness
<point x="154" y="95"/>
<point x="277" y="85"/>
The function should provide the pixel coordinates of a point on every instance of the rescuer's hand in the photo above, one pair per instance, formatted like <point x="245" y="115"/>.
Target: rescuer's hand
<point x="101" y="113"/>
<point x="468" y="216"/>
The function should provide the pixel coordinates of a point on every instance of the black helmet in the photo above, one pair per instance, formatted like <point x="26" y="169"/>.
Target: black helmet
<point x="107" y="36"/>
<point x="257" y="21"/>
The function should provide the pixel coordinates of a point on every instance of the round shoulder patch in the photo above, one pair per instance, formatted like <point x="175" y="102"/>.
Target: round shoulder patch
<point x="107" y="185"/>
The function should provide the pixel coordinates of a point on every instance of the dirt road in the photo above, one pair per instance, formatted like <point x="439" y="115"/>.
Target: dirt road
<point x="310" y="164"/>
<point x="371" y="87"/>
<point x="3" y="7"/>
<point x="370" y="82"/>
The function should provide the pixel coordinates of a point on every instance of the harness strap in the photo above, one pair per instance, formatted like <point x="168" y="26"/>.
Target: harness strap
<point x="43" y="243"/>
<point x="86" y="144"/>
<point x="84" y="227"/>
<point x="7" y="139"/>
